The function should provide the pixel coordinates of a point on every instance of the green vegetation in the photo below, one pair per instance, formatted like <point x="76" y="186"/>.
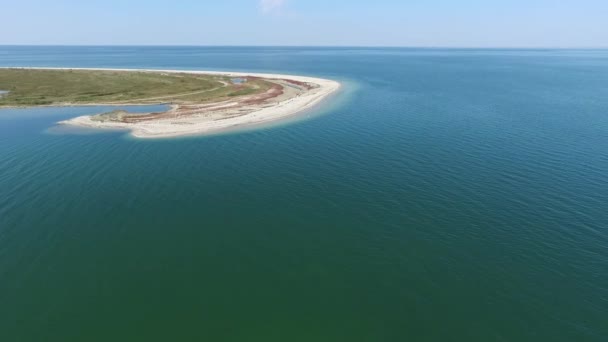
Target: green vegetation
<point x="32" y="87"/>
<point x="244" y="91"/>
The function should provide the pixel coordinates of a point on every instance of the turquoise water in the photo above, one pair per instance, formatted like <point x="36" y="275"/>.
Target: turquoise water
<point x="445" y="195"/>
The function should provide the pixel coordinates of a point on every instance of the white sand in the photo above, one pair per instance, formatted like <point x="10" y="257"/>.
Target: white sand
<point x="195" y="125"/>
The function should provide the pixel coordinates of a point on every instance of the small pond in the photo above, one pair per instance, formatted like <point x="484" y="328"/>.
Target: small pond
<point x="238" y="80"/>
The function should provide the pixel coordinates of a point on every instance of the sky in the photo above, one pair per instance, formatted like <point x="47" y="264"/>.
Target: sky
<point x="412" y="23"/>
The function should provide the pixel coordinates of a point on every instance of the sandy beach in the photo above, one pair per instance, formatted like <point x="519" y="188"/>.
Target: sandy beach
<point x="199" y="121"/>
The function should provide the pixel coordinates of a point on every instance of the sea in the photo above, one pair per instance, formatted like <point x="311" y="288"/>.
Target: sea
<point x="441" y="195"/>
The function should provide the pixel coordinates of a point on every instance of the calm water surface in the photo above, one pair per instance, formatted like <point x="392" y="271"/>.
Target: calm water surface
<point x="445" y="195"/>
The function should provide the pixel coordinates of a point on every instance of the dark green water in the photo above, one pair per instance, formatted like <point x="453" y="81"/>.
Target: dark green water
<point x="444" y="195"/>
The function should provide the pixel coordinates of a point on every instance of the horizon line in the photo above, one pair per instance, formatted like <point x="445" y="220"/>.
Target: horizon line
<point x="320" y="46"/>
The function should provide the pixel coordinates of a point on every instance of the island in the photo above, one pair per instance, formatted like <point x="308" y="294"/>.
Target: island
<point x="200" y="102"/>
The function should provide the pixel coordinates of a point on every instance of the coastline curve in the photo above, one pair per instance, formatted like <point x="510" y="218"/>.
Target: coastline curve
<point x="200" y="124"/>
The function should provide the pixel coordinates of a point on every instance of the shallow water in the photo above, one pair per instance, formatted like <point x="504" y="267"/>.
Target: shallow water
<point x="446" y="195"/>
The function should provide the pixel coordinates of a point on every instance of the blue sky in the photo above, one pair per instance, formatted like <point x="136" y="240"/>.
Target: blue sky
<point x="434" y="23"/>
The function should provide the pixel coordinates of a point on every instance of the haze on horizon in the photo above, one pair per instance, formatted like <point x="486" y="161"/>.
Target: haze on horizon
<point x="431" y="23"/>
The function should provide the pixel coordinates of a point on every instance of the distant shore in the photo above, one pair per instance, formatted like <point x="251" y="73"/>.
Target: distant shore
<point x="290" y="95"/>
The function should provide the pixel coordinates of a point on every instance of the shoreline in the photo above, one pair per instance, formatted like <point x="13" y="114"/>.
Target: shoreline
<point x="175" y="127"/>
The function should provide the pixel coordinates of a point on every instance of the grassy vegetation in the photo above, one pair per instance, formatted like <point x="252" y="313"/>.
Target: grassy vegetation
<point x="244" y="91"/>
<point x="55" y="87"/>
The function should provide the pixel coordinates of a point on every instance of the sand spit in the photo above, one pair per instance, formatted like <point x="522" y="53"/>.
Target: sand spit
<point x="293" y="94"/>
